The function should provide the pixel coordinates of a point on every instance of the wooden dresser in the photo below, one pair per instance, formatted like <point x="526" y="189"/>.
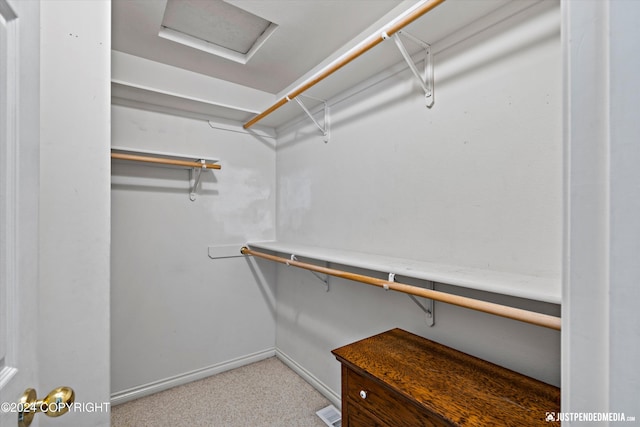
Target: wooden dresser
<point x="399" y="379"/>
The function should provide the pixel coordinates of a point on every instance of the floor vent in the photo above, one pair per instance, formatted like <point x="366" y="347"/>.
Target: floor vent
<point x="331" y="416"/>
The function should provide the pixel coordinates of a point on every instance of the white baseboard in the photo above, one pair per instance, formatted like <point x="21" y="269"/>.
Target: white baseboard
<point x="333" y="397"/>
<point x="123" y="396"/>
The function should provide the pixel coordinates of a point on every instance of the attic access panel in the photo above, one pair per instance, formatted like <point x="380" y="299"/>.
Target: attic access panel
<point x="216" y="27"/>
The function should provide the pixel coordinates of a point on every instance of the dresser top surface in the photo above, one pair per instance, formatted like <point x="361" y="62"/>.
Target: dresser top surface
<point x="459" y="387"/>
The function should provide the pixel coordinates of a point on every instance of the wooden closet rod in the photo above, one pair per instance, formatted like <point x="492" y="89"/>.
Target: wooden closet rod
<point x="163" y="161"/>
<point x="531" y="317"/>
<point x="350" y="56"/>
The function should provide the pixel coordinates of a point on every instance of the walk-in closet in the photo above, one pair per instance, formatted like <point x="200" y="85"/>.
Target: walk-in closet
<point x="405" y="212"/>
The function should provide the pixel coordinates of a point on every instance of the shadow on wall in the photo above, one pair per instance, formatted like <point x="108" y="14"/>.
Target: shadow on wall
<point x="267" y="286"/>
<point x="158" y="179"/>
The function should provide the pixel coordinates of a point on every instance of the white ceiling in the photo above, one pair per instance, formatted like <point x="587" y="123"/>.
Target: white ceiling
<point x="308" y="32"/>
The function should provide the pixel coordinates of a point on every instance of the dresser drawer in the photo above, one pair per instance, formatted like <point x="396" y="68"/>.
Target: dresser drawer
<point x="407" y="380"/>
<point x="358" y="417"/>
<point x="391" y="408"/>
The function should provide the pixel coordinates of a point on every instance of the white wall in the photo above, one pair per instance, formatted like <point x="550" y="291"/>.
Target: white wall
<point x="176" y="313"/>
<point x="75" y="203"/>
<point x="624" y="326"/>
<point x="476" y="181"/>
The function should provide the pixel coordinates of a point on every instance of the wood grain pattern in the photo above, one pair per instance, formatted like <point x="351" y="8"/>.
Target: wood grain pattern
<point x="390" y="408"/>
<point x="358" y="417"/>
<point x="412" y="381"/>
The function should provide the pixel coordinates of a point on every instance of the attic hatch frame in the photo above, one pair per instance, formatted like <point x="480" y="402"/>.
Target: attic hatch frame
<point x="172" y="28"/>
<point x="393" y="27"/>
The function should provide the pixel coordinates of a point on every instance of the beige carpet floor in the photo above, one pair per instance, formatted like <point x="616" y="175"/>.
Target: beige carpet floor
<point x="263" y="394"/>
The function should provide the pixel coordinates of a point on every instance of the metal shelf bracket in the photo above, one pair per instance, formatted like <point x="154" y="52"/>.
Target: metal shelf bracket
<point x="426" y="78"/>
<point x="324" y="128"/>
<point x="195" y="177"/>
<point x="425" y="304"/>
<point x="324" y="279"/>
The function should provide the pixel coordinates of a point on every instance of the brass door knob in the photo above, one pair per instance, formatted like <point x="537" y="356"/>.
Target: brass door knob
<point x="54" y="404"/>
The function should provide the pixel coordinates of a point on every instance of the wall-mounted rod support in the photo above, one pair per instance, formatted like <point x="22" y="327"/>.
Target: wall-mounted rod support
<point x="419" y="304"/>
<point x="425" y="79"/>
<point x="324" y="279"/>
<point x="196" y="181"/>
<point x="531" y="317"/>
<point x="427" y="307"/>
<point x="357" y="51"/>
<point x="323" y="129"/>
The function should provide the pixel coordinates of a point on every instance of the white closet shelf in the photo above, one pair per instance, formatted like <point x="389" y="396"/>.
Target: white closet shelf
<point x="164" y="154"/>
<point x="157" y="100"/>
<point x="537" y="288"/>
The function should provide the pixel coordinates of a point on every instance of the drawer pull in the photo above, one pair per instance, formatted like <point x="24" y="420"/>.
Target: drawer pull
<point x="363" y="394"/>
